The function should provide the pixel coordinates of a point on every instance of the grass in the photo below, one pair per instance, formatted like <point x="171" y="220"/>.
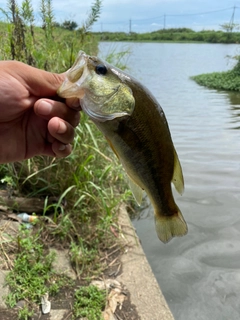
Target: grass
<point x="89" y="302"/>
<point x="48" y="47"/>
<point x="229" y="80"/>
<point x="32" y="275"/>
<point x="88" y="185"/>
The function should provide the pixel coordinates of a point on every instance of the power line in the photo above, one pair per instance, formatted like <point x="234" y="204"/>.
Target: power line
<point x="163" y="17"/>
<point x="200" y="13"/>
<point x="174" y="15"/>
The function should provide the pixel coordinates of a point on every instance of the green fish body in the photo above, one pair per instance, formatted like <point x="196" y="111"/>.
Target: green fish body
<point x="136" y="128"/>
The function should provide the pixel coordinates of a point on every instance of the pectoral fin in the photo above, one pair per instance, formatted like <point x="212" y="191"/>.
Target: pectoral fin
<point x="136" y="190"/>
<point x="177" y="178"/>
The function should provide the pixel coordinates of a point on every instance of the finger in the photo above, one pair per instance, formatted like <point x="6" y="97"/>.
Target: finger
<point x="40" y="83"/>
<point x="74" y="103"/>
<point x="57" y="149"/>
<point x="48" y="109"/>
<point x="61" y="150"/>
<point x="61" y="130"/>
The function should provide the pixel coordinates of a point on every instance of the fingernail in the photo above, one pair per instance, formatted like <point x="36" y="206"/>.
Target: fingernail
<point x="45" y="108"/>
<point x="62" y="127"/>
<point x="62" y="147"/>
<point x="76" y="104"/>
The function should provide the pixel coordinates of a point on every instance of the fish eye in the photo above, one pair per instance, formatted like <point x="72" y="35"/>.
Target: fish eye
<point x="101" y="69"/>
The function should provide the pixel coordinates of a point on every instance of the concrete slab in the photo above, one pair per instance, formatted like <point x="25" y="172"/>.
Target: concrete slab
<point x="4" y="290"/>
<point x="138" y="277"/>
<point x="62" y="263"/>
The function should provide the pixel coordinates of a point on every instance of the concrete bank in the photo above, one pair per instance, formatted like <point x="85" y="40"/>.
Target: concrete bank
<point x="138" y="277"/>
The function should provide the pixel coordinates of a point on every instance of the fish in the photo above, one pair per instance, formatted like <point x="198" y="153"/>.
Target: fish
<point x="135" y="126"/>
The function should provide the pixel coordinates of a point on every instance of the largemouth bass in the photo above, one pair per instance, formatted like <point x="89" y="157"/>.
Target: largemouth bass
<point x="136" y="128"/>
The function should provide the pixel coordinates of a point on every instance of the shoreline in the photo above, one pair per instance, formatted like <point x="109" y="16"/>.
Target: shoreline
<point x="138" y="277"/>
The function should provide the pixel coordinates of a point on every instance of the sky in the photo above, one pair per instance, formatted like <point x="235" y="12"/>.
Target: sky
<point x="146" y="15"/>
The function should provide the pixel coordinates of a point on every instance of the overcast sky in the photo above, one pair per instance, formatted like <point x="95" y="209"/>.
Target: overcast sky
<point x="147" y="15"/>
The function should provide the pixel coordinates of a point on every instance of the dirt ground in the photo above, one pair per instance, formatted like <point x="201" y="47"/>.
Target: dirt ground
<point x="64" y="301"/>
<point x="61" y="304"/>
<point x="129" y="267"/>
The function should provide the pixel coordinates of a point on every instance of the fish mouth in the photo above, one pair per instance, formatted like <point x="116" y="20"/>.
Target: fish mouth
<point x="75" y="76"/>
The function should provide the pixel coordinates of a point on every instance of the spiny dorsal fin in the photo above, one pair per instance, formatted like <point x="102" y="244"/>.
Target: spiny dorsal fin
<point x="177" y="178"/>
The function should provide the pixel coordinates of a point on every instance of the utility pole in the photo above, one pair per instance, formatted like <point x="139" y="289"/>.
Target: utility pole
<point x="164" y="22"/>
<point x="130" y="26"/>
<point x="231" y="23"/>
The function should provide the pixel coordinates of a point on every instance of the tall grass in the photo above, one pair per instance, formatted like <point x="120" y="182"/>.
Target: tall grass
<point x="87" y="184"/>
<point x="46" y="47"/>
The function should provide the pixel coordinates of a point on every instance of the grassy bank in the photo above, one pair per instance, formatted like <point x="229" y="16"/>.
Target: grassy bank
<point x="175" y="35"/>
<point x="228" y="80"/>
<point x="87" y="186"/>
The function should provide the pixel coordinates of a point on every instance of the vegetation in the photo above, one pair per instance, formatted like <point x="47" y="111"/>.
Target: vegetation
<point x="177" y="35"/>
<point x="89" y="302"/>
<point x="32" y="275"/>
<point x="88" y="185"/>
<point x="69" y="25"/>
<point x="51" y="46"/>
<point x="228" y="80"/>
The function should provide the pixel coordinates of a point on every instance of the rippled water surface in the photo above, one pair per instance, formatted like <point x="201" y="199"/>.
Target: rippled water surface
<point x="199" y="274"/>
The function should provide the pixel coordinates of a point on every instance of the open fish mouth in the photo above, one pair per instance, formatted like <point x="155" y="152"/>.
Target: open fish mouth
<point x="75" y="76"/>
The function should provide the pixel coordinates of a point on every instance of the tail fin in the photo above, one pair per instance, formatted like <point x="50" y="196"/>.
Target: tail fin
<point x="168" y="227"/>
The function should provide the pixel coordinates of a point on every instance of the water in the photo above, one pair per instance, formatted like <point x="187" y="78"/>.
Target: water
<point x="199" y="274"/>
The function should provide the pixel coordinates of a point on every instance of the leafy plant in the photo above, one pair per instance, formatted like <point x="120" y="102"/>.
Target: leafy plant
<point x="69" y="25"/>
<point x="93" y="16"/>
<point x="89" y="302"/>
<point x="32" y="275"/>
<point x="229" y="80"/>
<point x="24" y="313"/>
<point x="50" y="47"/>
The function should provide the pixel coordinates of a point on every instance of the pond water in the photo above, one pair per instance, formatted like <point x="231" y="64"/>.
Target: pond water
<point x="199" y="274"/>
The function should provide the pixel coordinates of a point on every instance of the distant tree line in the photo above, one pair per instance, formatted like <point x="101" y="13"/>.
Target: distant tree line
<point x="67" y="24"/>
<point x="176" y="35"/>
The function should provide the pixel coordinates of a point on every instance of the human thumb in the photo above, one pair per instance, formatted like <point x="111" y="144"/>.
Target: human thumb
<point x="40" y="83"/>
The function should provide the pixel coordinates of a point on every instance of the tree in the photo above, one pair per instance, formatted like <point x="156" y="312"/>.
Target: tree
<point x="69" y="25"/>
<point x="228" y="27"/>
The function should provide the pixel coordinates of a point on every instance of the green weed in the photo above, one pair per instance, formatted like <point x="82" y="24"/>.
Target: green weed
<point x="89" y="302"/>
<point x="88" y="185"/>
<point x="32" y="275"/>
<point x="229" y="80"/>
<point x="47" y="47"/>
<point x="24" y="313"/>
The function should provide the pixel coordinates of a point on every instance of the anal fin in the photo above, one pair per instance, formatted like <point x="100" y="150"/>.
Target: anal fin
<point x="177" y="178"/>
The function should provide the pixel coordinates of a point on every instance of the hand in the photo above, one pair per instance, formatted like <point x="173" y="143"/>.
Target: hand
<point x="31" y="121"/>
